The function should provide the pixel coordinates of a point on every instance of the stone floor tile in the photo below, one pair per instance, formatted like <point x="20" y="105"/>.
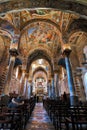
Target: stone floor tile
<point x="39" y="119"/>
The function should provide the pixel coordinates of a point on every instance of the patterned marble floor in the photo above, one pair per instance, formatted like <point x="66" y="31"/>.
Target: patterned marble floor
<point x="39" y="119"/>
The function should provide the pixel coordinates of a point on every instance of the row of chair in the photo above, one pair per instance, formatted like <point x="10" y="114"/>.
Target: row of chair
<point x="66" y="117"/>
<point x="16" y="118"/>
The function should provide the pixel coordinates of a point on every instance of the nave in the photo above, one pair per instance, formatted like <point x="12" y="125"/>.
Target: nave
<point x="56" y="115"/>
<point x="39" y="119"/>
<point x="43" y="55"/>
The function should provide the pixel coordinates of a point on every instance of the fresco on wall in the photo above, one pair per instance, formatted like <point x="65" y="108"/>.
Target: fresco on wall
<point x="62" y="19"/>
<point x="7" y="27"/>
<point x="39" y="33"/>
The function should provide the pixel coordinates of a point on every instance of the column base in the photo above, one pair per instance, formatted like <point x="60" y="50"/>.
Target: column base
<point x="73" y="100"/>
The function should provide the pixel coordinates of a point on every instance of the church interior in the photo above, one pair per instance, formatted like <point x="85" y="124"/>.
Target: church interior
<point x="43" y="60"/>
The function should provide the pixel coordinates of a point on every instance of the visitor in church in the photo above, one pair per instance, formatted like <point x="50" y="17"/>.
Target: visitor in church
<point x="64" y="97"/>
<point x="16" y="102"/>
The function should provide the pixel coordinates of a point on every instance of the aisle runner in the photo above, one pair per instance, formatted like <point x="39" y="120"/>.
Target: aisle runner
<point x="39" y="119"/>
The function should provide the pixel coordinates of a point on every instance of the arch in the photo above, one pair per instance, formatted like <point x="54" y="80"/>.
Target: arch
<point x="39" y="69"/>
<point x="7" y="26"/>
<point x="75" y="34"/>
<point x="5" y="33"/>
<point x="37" y="75"/>
<point x="37" y="54"/>
<point x="39" y="20"/>
<point x="73" y="6"/>
<point x="2" y="48"/>
<point x="38" y="47"/>
<point x="78" y="24"/>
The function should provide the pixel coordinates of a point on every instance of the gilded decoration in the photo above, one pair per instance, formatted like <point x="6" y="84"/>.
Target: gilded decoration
<point x="38" y="30"/>
<point x="46" y="29"/>
<point x="34" y="28"/>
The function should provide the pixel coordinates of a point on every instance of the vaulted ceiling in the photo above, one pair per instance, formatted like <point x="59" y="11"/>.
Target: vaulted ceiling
<point x="41" y="32"/>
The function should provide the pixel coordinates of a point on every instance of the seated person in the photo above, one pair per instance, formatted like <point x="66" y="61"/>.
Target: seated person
<point x="16" y="106"/>
<point x="16" y="102"/>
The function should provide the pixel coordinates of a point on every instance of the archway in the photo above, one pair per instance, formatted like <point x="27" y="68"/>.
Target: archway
<point x="39" y="54"/>
<point x="40" y="83"/>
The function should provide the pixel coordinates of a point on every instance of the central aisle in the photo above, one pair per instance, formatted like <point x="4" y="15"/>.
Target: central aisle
<point x="39" y="119"/>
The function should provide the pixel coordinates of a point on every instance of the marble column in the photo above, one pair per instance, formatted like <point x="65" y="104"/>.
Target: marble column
<point x="31" y="89"/>
<point x="25" y="85"/>
<point x="17" y="72"/>
<point x="84" y="78"/>
<point x="13" y="54"/>
<point x="49" y="89"/>
<point x="22" y="80"/>
<point x="53" y="88"/>
<point x="56" y="84"/>
<point x="79" y="86"/>
<point x="30" y="84"/>
<point x="28" y="90"/>
<point x="73" y="97"/>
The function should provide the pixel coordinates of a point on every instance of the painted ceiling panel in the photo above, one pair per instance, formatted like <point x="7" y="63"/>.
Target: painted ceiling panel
<point x="43" y="31"/>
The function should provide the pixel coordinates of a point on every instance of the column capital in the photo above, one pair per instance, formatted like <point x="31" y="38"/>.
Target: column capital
<point x="13" y="52"/>
<point x="49" y="80"/>
<point x="52" y="75"/>
<point x="56" y="72"/>
<point x="30" y="80"/>
<point x="26" y="75"/>
<point x="66" y="50"/>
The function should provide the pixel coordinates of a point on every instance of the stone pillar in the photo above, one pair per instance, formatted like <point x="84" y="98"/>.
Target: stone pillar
<point x="31" y="89"/>
<point x="56" y="84"/>
<point x="84" y="78"/>
<point x="17" y="71"/>
<point x="25" y="85"/>
<point x="13" y="54"/>
<point x="53" y="88"/>
<point x="79" y="87"/>
<point x="66" y="53"/>
<point x="28" y="90"/>
<point x="49" y="89"/>
<point x="22" y="80"/>
<point x="30" y="84"/>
